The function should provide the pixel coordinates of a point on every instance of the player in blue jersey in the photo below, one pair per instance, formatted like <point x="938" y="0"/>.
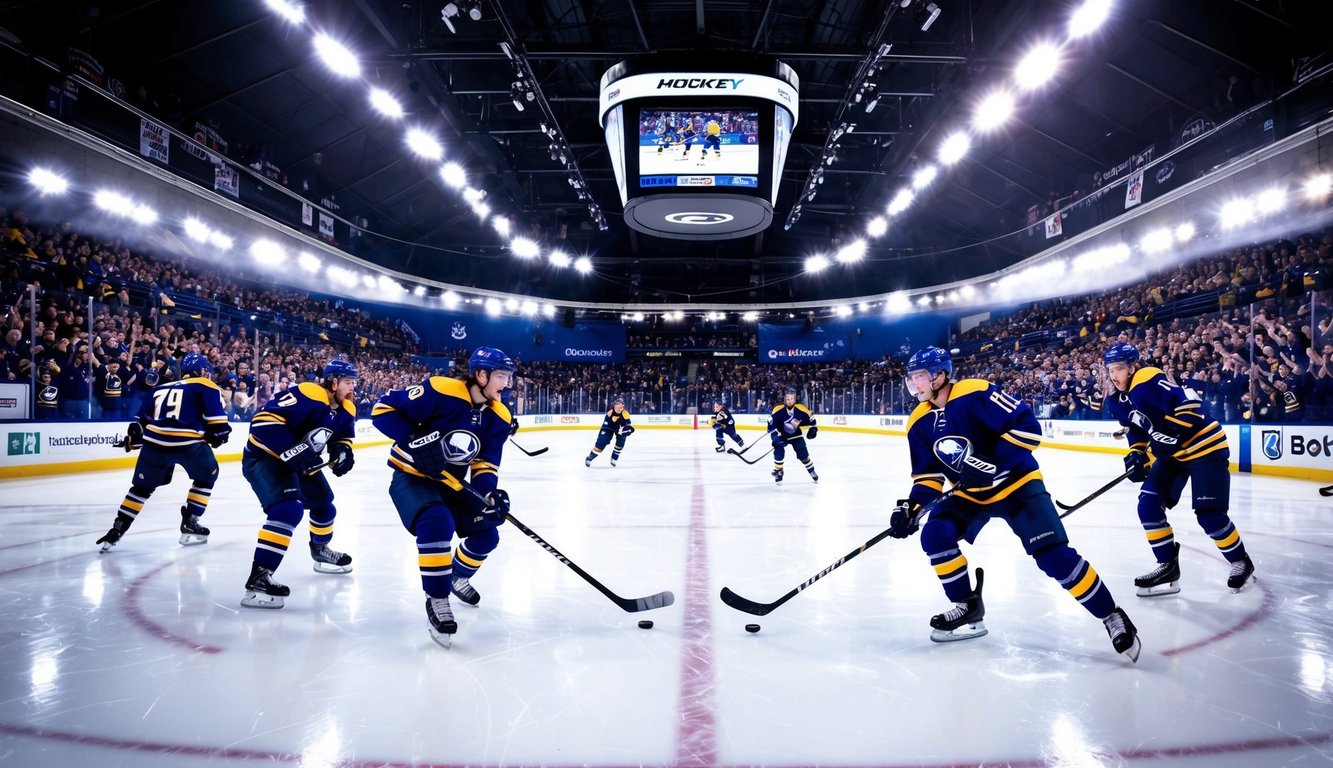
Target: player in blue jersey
<point x="980" y="440"/>
<point x="724" y="424"/>
<point x="1172" y="441"/>
<point x="283" y="462"/>
<point x="784" y="428"/>
<point x="181" y="423"/>
<point x="667" y="136"/>
<point x="616" y="425"/>
<point x="689" y="137"/>
<point x="444" y="429"/>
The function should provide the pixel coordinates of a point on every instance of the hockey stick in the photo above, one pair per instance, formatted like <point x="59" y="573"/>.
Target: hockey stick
<point x="753" y="443"/>
<point x="763" y="609"/>
<point x="1069" y="510"/>
<point x="756" y="460"/>
<point x="1326" y="491"/>
<point x="537" y="452"/>
<point x="630" y="605"/>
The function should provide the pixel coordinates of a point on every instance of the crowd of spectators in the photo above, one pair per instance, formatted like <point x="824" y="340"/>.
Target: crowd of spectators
<point x="1257" y="346"/>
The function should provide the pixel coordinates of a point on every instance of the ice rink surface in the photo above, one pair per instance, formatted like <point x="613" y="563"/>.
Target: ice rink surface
<point x="144" y="657"/>
<point x="733" y="159"/>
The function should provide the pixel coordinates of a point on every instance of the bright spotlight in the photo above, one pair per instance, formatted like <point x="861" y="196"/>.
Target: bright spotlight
<point x="1185" y="232"/>
<point x="1318" y="186"/>
<point x="923" y="177"/>
<point x="511" y="304"/>
<point x="501" y="225"/>
<point x="420" y="290"/>
<point x="368" y="281"/>
<point x="113" y="202"/>
<point x="267" y="253"/>
<point x="47" y="182"/>
<point x="750" y="316"/>
<point x="385" y="103"/>
<point x="308" y="261"/>
<point x="967" y="291"/>
<point x="1236" y="213"/>
<point x="450" y="299"/>
<point x="897" y="303"/>
<point x="424" y="144"/>
<point x="1089" y="16"/>
<point x="993" y="111"/>
<point x="481" y="209"/>
<point x="548" y="310"/>
<point x="583" y="265"/>
<point x="843" y="310"/>
<point x="337" y="56"/>
<point x="1271" y="200"/>
<point x="924" y="301"/>
<point x="492" y="306"/>
<point x="954" y="147"/>
<point x="196" y="230"/>
<point x="1156" y="241"/>
<point x="1038" y="66"/>
<point x="220" y="241"/>
<point x="524" y="248"/>
<point x="877" y="226"/>
<point x="816" y="263"/>
<point x="292" y="12"/>
<point x="453" y="175"/>
<point x="852" y="252"/>
<point x="900" y="202"/>
<point x="142" y="214"/>
<point x="560" y="259"/>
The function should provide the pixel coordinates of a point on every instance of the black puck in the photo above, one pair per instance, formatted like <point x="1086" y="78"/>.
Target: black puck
<point x="751" y="627"/>
<point x="646" y="624"/>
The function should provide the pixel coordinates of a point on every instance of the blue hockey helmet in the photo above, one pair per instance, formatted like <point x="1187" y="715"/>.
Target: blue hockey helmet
<point x="1121" y="353"/>
<point x="195" y="364"/>
<point x="339" y="369"/>
<point x="151" y="377"/>
<point x="490" y="359"/>
<point x="932" y="360"/>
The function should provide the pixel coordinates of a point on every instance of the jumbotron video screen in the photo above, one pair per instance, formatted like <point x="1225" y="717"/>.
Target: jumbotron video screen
<point x="698" y="147"/>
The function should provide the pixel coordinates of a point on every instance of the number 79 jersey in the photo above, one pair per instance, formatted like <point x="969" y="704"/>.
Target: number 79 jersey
<point x="977" y="420"/>
<point x="176" y="414"/>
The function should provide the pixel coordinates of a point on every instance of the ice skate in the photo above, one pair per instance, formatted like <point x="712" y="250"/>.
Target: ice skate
<point x="1242" y="573"/>
<point x="112" y="537"/>
<point x="191" y="531"/>
<point x="261" y="591"/>
<point x="588" y="461"/>
<point x="963" y="621"/>
<point x="720" y="448"/>
<point x="777" y="475"/>
<point x="1162" y="580"/>
<point x="441" y="617"/>
<point x="330" y="560"/>
<point x="813" y="475"/>
<point x="613" y="461"/>
<point x="1124" y="637"/>
<point x="463" y="590"/>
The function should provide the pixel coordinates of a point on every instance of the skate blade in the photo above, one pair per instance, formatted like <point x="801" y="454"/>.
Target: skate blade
<point x="330" y="568"/>
<point x="1241" y="588"/>
<point x="965" y="632"/>
<point x="105" y="548"/>
<point x="1133" y="650"/>
<point x="190" y="539"/>
<point x="466" y="601"/>
<point x="1161" y="590"/>
<point x="443" y="639"/>
<point x="259" y="600"/>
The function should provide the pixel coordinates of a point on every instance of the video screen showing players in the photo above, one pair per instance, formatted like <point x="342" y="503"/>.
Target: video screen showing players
<point x="698" y="143"/>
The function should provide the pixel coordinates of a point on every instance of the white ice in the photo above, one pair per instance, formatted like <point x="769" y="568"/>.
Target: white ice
<point x="144" y="657"/>
<point x="733" y="159"/>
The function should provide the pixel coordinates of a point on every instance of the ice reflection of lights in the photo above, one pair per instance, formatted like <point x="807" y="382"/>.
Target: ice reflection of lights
<point x="94" y="586"/>
<point x="325" y="748"/>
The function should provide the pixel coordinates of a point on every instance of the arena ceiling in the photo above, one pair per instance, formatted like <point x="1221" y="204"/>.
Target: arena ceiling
<point x="1155" y="66"/>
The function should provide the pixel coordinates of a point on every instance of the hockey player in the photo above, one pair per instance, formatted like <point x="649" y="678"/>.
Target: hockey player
<point x="180" y="424"/>
<point x="981" y="440"/>
<point x="283" y="464"/>
<point x="442" y="429"/>
<point x="667" y="136"/>
<point x="712" y="139"/>
<point x="724" y="424"/>
<point x="1172" y="441"/>
<point x="617" y="425"/>
<point x="688" y="137"/>
<point x="784" y="428"/>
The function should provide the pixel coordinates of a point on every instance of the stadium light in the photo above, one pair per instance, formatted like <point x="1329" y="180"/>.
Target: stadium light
<point x="368" y="281"/>
<point x="897" y="303"/>
<point x="293" y="13"/>
<point x="583" y="265"/>
<point x="817" y="263"/>
<point x="528" y="308"/>
<point x="1318" y="186"/>
<point x="47" y="182"/>
<point x="548" y="310"/>
<point x="852" y="252"/>
<point x="337" y="56"/>
<point x="1271" y="200"/>
<point x="420" y="290"/>
<point x="923" y="177"/>
<point x="1185" y="232"/>
<point x="1088" y="17"/>
<point x="843" y="310"/>
<point x="877" y="226"/>
<point x="308" y="261"/>
<point x="1038" y="66"/>
<point x="524" y="248"/>
<point x="900" y="201"/>
<point x="453" y="175"/>
<point x="267" y="253"/>
<point x="450" y="299"/>
<point x="385" y="103"/>
<point x="954" y="147"/>
<point x="1236" y="213"/>
<point x="511" y="304"/>
<point x="424" y="145"/>
<point x="481" y="209"/>
<point x="993" y="111"/>
<point x="501" y="225"/>
<point x="560" y="259"/>
<point x="1156" y="241"/>
<point x="196" y="230"/>
<point x="113" y="202"/>
<point x="492" y="307"/>
<point x="221" y="242"/>
<point x="750" y="316"/>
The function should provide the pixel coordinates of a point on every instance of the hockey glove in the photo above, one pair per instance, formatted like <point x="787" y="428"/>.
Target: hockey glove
<point x="302" y="458"/>
<point x="513" y="427"/>
<point x="976" y="473"/>
<point x="811" y="432"/>
<point x="903" y="521"/>
<point x="627" y="430"/>
<point x="1136" y="464"/>
<point x="217" y="434"/>
<point x="497" y="504"/>
<point x="427" y="452"/>
<point x="133" y="437"/>
<point x="340" y="459"/>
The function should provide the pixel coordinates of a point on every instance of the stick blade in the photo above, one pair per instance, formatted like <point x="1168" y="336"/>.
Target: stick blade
<point x="649" y="603"/>
<point x="539" y="451"/>
<point x="744" y="605"/>
<point x="1326" y="491"/>
<point x="1064" y="506"/>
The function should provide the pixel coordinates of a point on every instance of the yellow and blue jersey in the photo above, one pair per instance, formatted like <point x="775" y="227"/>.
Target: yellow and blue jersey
<point x="614" y="422"/>
<point x="180" y="413"/>
<point x="788" y="422"/>
<point x="473" y="436"/>
<point x="1163" y="418"/>
<point x="304" y="414"/>
<point x="980" y="420"/>
<point x="722" y="420"/>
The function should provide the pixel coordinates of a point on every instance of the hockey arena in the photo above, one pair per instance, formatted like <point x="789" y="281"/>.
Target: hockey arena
<point x="928" y="383"/>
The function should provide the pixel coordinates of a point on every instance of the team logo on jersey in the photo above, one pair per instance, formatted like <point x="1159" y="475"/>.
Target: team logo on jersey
<point x="952" y="449"/>
<point x="318" y="438"/>
<point x="461" y="447"/>
<point x="1271" y="440"/>
<point x="49" y="395"/>
<point x="1140" y="420"/>
<point x="459" y="331"/>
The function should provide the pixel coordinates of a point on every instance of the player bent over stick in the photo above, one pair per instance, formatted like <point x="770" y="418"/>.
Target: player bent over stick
<point x="447" y="426"/>
<point x="283" y="464"/>
<point x="1187" y="446"/>
<point x="180" y="423"/>
<point x="981" y="440"/>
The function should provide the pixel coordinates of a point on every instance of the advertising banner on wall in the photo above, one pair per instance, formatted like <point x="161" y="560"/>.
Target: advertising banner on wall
<point x="794" y="343"/>
<point x="1293" y="450"/>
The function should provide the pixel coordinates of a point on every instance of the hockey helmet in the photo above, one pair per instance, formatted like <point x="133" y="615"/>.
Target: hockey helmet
<point x="490" y="359"/>
<point x="195" y="364"/>
<point x="619" y="400"/>
<point x="1121" y="353"/>
<point x="151" y="377"/>
<point x="932" y="360"/>
<point x="339" y="369"/>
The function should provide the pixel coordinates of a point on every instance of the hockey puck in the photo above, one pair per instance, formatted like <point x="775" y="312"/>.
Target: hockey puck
<point x="751" y="627"/>
<point x="646" y="624"/>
